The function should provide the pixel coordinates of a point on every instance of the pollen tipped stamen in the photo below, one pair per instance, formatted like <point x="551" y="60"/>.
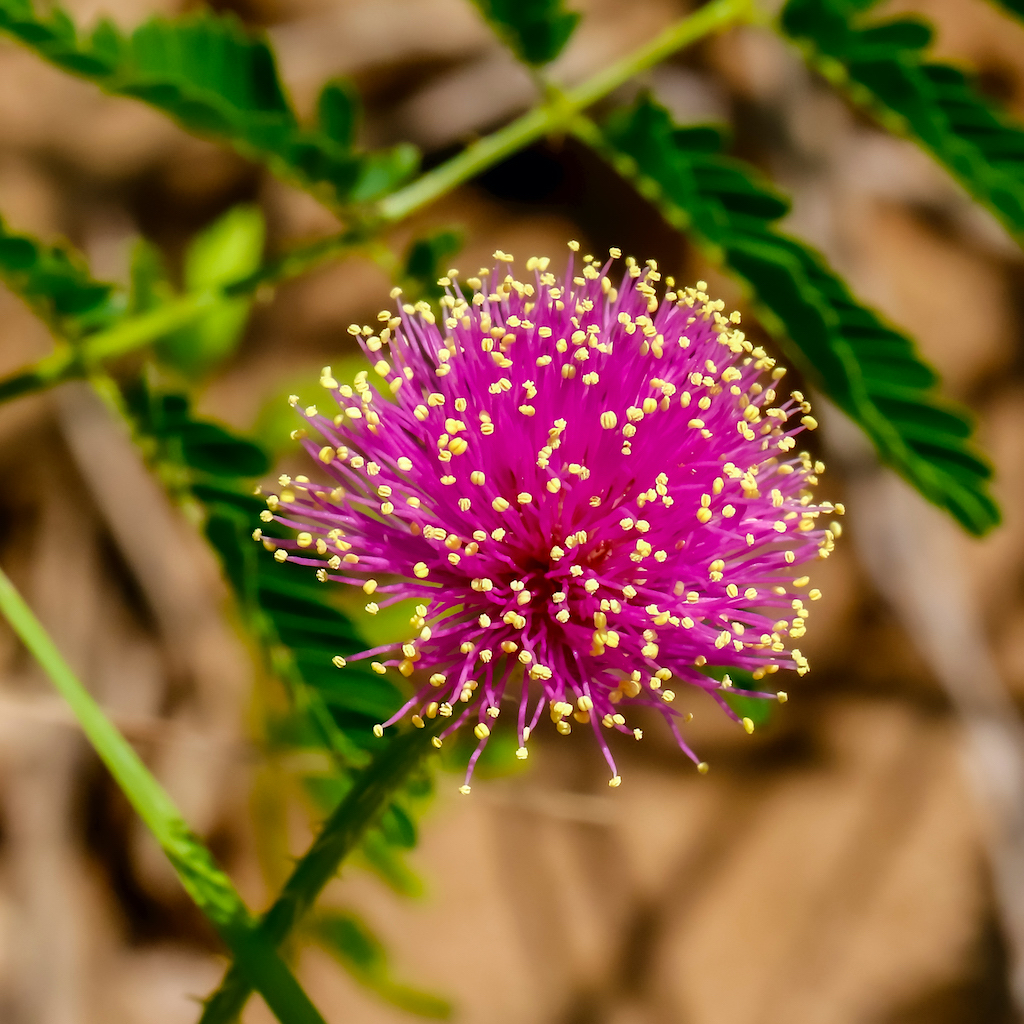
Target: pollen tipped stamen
<point x="596" y="488"/>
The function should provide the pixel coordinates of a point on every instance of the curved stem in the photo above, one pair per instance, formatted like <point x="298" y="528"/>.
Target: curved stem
<point x="209" y="887"/>
<point x="344" y="829"/>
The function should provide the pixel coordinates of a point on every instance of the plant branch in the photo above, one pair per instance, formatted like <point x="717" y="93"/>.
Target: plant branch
<point x="344" y="829"/>
<point x="74" y="361"/>
<point x="560" y="109"/>
<point x="556" y="114"/>
<point x="210" y="889"/>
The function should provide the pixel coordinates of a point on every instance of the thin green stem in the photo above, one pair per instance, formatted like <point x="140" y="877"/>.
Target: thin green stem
<point x="208" y="886"/>
<point x="556" y="114"/>
<point x="72" y="361"/>
<point x="713" y="17"/>
<point x="370" y="794"/>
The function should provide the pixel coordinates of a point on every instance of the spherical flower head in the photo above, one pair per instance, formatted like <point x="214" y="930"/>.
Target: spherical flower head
<point x="591" y="488"/>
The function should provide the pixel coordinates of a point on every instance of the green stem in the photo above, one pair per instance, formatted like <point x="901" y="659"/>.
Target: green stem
<point x="560" y="111"/>
<point x="208" y="886"/>
<point x="70" y="362"/>
<point x="556" y="114"/>
<point x="344" y="829"/>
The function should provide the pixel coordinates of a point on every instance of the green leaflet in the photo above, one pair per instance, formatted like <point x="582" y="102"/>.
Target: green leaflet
<point x="535" y="30"/>
<point x="883" y="68"/>
<point x="227" y="251"/>
<point x="174" y="435"/>
<point x="216" y="79"/>
<point x="55" y="282"/>
<point x="426" y="260"/>
<point x="868" y="369"/>
<point x="295" y="613"/>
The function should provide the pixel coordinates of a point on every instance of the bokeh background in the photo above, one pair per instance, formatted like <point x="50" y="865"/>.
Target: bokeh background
<point x="853" y="861"/>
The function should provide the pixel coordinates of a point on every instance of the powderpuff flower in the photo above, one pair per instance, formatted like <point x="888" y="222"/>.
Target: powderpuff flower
<point x="593" y="491"/>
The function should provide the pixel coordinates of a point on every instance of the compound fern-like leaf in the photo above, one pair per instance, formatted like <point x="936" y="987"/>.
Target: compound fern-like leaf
<point x="882" y="67"/>
<point x="867" y="368"/>
<point x="217" y="79"/>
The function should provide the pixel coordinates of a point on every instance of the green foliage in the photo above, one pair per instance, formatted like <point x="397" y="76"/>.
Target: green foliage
<point x="208" y="886"/>
<point x="296" y="613"/>
<point x="178" y="438"/>
<point x="1015" y="7"/>
<point x="883" y="68"/>
<point x="353" y="944"/>
<point x="536" y="30"/>
<point x="56" y="283"/>
<point x="868" y="369"/>
<point x="427" y="260"/>
<point x="284" y="607"/>
<point x="396" y="764"/>
<point x="228" y="250"/>
<point x="298" y="628"/>
<point x="216" y="79"/>
<point x="758" y="709"/>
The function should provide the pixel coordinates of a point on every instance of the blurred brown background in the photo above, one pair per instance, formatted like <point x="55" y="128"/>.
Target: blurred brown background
<point x="855" y="861"/>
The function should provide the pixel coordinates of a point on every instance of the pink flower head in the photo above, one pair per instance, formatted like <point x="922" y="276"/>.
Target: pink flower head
<point x="593" y="493"/>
